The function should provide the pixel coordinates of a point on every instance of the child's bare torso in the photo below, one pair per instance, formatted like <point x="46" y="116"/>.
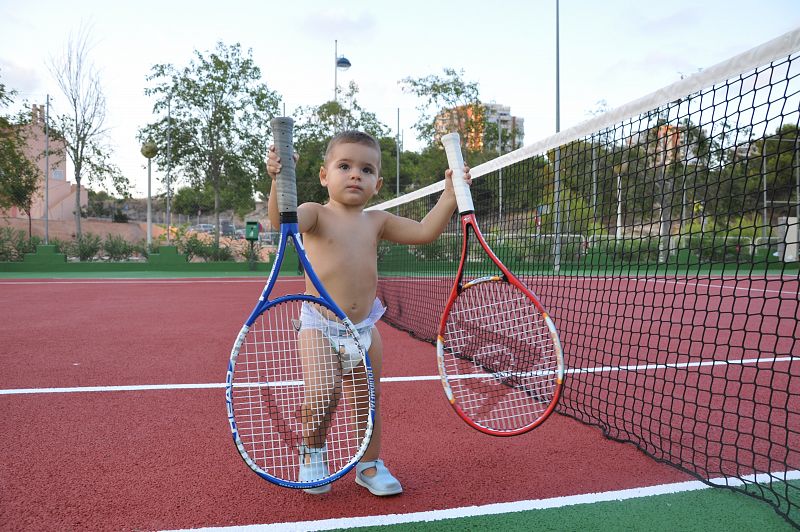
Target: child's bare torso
<point x="343" y="249"/>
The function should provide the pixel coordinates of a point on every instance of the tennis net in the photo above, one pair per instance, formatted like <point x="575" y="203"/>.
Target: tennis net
<point x="663" y="238"/>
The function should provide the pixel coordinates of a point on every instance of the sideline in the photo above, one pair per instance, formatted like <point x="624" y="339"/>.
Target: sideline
<point x="152" y="387"/>
<point x="414" y="378"/>
<point x="502" y="508"/>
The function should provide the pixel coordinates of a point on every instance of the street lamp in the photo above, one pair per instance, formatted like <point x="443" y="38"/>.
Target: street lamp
<point x="149" y="150"/>
<point x="340" y="63"/>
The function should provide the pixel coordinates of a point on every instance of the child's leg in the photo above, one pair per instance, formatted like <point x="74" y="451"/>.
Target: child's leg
<point x="370" y="472"/>
<point x="323" y="386"/>
<point x="376" y="358"/>
<point x="361" y="401"/>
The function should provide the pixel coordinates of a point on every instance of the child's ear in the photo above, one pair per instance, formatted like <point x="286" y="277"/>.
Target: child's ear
<point x="378" y="185"/>
<point x="323" y="176"/>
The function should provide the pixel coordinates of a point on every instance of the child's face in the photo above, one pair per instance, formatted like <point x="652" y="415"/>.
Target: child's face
<point x="351" y="173"/>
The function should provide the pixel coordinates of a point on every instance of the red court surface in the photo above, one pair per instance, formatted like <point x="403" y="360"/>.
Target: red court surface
<point x="164" y="458"/>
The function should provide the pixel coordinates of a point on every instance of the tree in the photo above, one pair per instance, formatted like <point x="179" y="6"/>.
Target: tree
<point x="451" y="99"/>
<point x="19" y="177"/>
<point x="82" y="128"/>
<point x="218" y="122"/>
<point x="190" y="201"/>
<point x="314" y="128"/>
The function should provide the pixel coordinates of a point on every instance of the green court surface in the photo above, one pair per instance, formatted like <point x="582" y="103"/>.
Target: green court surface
<point x="711" y="509"/>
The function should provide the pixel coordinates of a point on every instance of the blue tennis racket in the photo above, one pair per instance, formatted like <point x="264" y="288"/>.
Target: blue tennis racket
<point x="299" y="388"/>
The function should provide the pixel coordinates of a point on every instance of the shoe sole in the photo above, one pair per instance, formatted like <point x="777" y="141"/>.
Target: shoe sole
<point x="377" y="492"/>
<point x="319" y="490"/>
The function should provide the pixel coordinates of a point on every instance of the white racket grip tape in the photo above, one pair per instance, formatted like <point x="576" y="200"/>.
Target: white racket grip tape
<point x="282" y="127"/>
<point x="452" y="147"/>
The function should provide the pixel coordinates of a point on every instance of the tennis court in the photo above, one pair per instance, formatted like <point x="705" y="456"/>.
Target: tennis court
<point x="651" y="235"/>
<point x="113" y="402"/>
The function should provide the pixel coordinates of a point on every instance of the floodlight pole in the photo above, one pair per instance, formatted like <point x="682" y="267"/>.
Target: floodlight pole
<point x="764" y="186"/>
<point x="557" y="168"/>
<point x="500" y="171"/>
<point x="169" y="165"/>
<point x="594" y="184"/>
<point x="336" y="71"/>
<point x="619" y="233"/>
<point x="397" y="145"/>
<point x="47" y="173"/>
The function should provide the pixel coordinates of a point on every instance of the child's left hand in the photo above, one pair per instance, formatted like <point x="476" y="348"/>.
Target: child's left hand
<point x="448" y="175"/>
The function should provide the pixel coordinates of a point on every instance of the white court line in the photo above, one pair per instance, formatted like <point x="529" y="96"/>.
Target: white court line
<point x="684" y="365"/>
<point x="420" y="280"/>
<point x="156" y="387"/>
<point x="679" y="282"/>
<point x="128" y="280"/>
<point x="413" y="378"/>
<point x="508" y="507"/>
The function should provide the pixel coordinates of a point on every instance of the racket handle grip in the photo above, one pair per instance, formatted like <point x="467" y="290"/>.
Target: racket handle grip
<point x="286" y="183"/>
<point x="452" y="147"/>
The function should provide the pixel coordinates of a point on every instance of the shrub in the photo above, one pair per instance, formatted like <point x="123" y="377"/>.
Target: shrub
<point x="439" y="249"/>
<point x="220" y="254"/>
<point x="192" y="247"/>
<point x="719" y="248"/>
<point x="633" y="251"/>
<point x="250" y="253"/>
<point x="117" y="247"/>
<point x="87" y="246"/>
<point x="14" y="244"/>
<point x="61" y="246"/>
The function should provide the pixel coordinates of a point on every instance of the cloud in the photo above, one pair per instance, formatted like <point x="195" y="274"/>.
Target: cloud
<point x="23" y="79"/>
<point x="331" y="23"/>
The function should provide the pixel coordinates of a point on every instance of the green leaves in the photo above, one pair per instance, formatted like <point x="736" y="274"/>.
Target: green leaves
<point x="447" y="98"/>
<point x="214" y="123"/>
<point x="19" y="176"/>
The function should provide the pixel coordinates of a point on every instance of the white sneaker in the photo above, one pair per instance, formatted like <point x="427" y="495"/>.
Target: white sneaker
<point x="382" y="483"/>
<point x="314" y="466"/>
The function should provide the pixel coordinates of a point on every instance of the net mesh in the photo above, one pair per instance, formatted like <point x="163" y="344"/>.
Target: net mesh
<point x="663" y="239"/>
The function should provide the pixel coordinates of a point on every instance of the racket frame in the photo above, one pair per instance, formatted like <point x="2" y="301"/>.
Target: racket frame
<point x="466" y="209"/>
<point x="290" y="231"/>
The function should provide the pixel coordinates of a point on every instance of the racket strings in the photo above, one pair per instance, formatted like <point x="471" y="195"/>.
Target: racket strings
<point x="290" y="390"/>
<point x="500" y="360"/>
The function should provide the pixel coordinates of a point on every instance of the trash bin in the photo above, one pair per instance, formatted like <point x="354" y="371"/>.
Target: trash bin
<point x="251" y="231"/>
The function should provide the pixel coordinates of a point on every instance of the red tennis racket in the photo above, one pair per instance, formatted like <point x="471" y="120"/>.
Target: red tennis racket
<point x="498" y="351"/>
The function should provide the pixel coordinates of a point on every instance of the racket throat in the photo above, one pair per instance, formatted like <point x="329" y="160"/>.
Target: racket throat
<point x="288" y="217"/>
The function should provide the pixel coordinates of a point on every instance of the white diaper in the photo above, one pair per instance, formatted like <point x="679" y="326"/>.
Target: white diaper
<point x="311" y="318"/>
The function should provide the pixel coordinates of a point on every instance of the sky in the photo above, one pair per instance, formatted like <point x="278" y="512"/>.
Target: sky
<point x="610" y="50"/>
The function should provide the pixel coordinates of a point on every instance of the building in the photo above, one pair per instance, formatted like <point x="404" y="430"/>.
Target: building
<point x="467" y="120"/>
<point x="61" y="193"/>
<point x="512" y="128"/>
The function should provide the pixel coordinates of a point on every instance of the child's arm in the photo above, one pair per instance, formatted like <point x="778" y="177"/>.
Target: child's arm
<point x="306" y="213"/>
<point x="406" y="231"/>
